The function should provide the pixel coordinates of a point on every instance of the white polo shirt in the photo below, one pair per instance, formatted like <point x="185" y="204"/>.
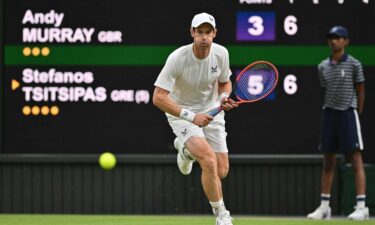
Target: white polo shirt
<point x="193" y="82"/>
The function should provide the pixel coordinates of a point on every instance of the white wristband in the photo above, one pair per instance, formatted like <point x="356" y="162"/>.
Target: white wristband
<point x="223" y="95"/>
<point x="187" y="115"/>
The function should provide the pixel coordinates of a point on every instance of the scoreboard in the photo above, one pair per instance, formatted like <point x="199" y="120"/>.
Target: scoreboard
<point x="77" y="76"/>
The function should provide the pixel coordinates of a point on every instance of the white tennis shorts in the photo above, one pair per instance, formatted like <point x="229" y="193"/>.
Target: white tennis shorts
<point x="214" y="132"/>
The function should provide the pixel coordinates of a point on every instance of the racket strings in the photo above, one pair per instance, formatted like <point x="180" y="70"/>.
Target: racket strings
<point x="242" y="89"/>
<point x="256" y="82"/>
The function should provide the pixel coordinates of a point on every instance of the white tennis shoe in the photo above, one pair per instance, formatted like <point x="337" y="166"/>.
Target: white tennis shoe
<point x="224" y="218"/>
<point x="185" y="164"/>
<point x="321" y="213"/>
<point x="360" y="213"/>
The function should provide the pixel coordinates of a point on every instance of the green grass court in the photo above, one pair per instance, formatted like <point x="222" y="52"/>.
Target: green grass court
<point x="14" y="219"/>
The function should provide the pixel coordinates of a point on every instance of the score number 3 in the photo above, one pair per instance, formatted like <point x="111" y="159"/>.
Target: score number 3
<point x="257" y="25"/>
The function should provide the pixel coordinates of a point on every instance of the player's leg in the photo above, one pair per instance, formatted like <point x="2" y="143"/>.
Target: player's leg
<point x="329" y="165"/>
<point x="191" y="138"/>
<point x="359" y="172"/>
<point x="361" y="212"/>
<point x="223" y="169"/>
<point x="222" y="164"/>
<point x="353" y="140"/>
<point x="216" y="137"/>
<point x="206" y="158"/>
<point x="184" y="130"/>
<point x="185" y="159"/>
<point x="191" y="143"/>
<point x="327" y="146"/>
<point x="324" y="210"/>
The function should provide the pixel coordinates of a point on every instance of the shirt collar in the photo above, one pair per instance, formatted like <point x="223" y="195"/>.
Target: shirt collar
<point x="342" y="59"/>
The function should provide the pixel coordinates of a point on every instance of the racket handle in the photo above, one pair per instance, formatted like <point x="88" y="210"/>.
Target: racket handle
<point x="215" y="111"/>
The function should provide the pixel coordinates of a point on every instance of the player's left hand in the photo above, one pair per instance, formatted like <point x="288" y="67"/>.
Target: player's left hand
<point x="228" y="104"/>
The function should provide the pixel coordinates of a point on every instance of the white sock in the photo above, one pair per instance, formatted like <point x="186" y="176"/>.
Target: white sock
<point x="361" y="200"/>
<point x="324" y="199"/>
<point x="218" y="206"/>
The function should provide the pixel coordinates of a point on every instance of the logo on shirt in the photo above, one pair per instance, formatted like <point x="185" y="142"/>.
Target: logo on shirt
<point x="214" y="69"/>
<point x="342" y="73"/>
<point x="184" y="132"/>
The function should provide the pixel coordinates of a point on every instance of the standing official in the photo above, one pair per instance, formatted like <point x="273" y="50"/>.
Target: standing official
<point x="342" y="78"/>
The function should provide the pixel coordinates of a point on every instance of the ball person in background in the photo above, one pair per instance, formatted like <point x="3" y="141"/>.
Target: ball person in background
<point x="194" y="80"/>
<point x="342" y="78"/>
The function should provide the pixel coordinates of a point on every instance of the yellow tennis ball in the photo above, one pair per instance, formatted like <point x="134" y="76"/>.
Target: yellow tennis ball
<point x="107" y="161"/>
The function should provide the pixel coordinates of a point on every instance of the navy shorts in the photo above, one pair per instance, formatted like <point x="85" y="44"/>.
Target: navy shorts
<point x="340" y="131"/>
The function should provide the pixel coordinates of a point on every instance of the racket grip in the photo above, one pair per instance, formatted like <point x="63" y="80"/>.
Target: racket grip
<point x="215" y="111"/>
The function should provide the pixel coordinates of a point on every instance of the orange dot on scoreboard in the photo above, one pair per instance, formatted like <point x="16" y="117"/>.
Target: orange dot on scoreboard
<point x="35" y="51"/>
<point x="44" y="110"/>
<point x="54" y="110"/>
<point x="45" y="51"/>
<point x="35" y="110"/>
<point x="26" y="51"/>
<point x="26" y="110"/>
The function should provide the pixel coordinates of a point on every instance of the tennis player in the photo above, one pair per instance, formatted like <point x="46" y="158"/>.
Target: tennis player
<point x="342" y="78"/>
<point x="194" y="80"/>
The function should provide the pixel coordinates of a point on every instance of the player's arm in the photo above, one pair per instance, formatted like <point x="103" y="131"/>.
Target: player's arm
<point x="360" y="89"/>
<point x="162" y="100"/>
<point x="224" y="91"/>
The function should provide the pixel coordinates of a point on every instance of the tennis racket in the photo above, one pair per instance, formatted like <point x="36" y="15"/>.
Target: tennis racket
<point x="253" y="83"/>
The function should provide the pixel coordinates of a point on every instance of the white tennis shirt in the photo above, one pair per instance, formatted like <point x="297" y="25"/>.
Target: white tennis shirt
<point x="193" y="82"/>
